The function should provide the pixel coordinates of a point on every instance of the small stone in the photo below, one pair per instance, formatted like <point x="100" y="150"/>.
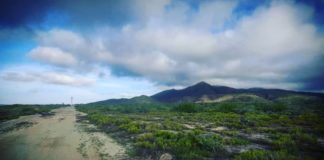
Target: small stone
<point x="166" y="156"/>
<point x="218" y="129"/>
<point x="189" y="126"/>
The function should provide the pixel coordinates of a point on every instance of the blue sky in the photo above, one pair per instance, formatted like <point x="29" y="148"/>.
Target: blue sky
<point x="95" y="50"/>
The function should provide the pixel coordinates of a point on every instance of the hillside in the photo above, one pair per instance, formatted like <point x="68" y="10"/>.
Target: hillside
<point x="219" y="122"/>
<point x="203" y="92"/>
<point x="127" y="101"/>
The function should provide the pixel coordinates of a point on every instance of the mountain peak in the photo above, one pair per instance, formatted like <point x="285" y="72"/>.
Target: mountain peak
<point x="202" y="83"/>
<point x="199" y="88"/>
<point x="202" y="89"/>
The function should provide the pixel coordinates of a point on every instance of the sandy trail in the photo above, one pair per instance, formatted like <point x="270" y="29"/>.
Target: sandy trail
<point x="55" y="137"/>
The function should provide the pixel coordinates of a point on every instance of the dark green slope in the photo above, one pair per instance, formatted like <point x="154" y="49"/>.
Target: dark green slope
<point x="202" y="90"/>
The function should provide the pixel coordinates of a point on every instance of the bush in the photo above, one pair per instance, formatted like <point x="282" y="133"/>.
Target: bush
<point x="186" y="107"/>
<point x="285" y="142"/>
<point x="264" y="155"/>
<point x="180" y="144"/>
<point x="100" y="118"/>
<point x="271" y="107"/>
<point x="278" y="107"/>
<point x="227" y="107"/>
<point x="170" y="125"/>
<point x="235" y="141"/>
<point x="212" y="143"/>
<point x="132" y="127"/>
<point x="260" y="119"/>
<point x="8" y="112"/>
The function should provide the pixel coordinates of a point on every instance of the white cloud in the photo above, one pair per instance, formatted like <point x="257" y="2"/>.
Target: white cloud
<point x="213" y="14"/>
<point x="264" y="48"/>
<point x="38" y="84"/>
<point x="30" y="73"/>
<point x="53" y="55"/>
<point x="278" y="30"/>
<point x="62" y="79"/>
<point x="171" y="42"/>
<point x="67" y="40"/>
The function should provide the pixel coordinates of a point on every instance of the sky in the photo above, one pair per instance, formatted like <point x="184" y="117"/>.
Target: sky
<point x="101" y="49"/>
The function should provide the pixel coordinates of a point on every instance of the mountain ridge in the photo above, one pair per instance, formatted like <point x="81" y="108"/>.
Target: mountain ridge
<point x="203" y="90"/>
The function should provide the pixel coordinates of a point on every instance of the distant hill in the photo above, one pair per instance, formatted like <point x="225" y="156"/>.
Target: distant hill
<point x="203" y="92"/>
<point x="135" y="100"/>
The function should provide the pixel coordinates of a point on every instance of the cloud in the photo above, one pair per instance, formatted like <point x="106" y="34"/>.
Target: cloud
<point x="44" y="75"/>
<point x="67" y="40"/>
<point x="15" y="76"/>
<point x="213" y="14"/>
<point x="65" y="49"/>
<point x="62" y="79"/>
<point x="53" y="56"/>
<point x="39" y="84"/>
<point x="265" y="48"/>
<point x="112" y="49"/>
<point x="150" y="10"/>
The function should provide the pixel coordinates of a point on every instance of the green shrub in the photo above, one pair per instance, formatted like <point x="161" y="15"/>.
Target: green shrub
<point x="258" y="119"/>
<point x="212" y="143"/>
<point x="285" y="142"/>
<point x="8" y="112"/>
<point x="132" y="127"/>
<point x="264" y="155"/>
<point x="152" y="127"/>
<point x="271" y="107"/>
<point x="181" y="143"/>
<point x="100" y="119"/>
<point x="171" y="125"/>
<point x="235" y="141"/>
<point x="227" y="107"/>
<point x="146" y="145"/>
<point x="304" y="140"/>
<point x="186" y="107"/>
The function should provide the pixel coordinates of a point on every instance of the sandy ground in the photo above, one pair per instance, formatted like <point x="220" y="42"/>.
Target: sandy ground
<point x="56" y="137"/>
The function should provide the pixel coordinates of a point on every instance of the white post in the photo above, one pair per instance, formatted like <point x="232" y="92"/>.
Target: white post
<point x="71" y="101"/>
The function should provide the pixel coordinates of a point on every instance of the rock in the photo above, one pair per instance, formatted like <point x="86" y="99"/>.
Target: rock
<point x="244" y="148"/>
<point x="257" y="137"/>
<point x="166" y="156"/>
<point x="218" y="129"/>
<point x="189" y="126"/>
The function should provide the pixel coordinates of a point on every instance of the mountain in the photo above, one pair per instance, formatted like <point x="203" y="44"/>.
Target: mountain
<point x="135" y="100"/>
<point x="192" y="93"/>
<point x="203" y="92"/>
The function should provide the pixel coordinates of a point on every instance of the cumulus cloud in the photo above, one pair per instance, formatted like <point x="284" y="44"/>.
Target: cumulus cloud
<point x="125" y="48"/>
<point x="67" y="40"/>
<point x="213" y="14"/>
<point x="31" y="83"/>
<point x="53" y="56"/>
<point x="62" y="79"/>
<point x="35" y="74"/>
<point x="265" y="49"/>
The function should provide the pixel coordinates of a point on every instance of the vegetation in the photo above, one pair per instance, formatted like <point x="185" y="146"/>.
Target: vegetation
<point x="265" y="155"/>
<point x="213" y="130"/>
<point x="186" y="107"/>
<point x="8" y="112"/>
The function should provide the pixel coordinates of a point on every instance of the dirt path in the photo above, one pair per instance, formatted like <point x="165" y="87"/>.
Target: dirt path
<point x="55" y="137"/>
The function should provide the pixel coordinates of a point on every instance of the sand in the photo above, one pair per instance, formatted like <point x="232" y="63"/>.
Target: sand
<point x="55" y="137"/>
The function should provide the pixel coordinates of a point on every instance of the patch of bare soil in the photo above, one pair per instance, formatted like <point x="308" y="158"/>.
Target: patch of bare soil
<point x="58" y="136"/>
